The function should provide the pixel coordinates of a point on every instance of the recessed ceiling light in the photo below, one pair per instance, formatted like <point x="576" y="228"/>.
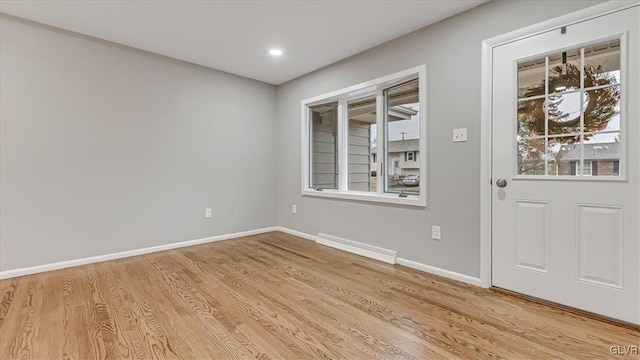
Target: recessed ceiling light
<point x="275" y="52"/>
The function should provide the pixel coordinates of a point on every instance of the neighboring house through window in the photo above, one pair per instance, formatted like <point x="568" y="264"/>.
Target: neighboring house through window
<point x="600" y="159"/>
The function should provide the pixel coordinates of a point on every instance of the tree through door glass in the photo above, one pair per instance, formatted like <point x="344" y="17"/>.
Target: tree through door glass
<point x="569" y="112"/>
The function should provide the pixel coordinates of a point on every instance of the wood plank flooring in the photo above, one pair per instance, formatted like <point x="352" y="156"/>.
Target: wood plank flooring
<point x="275" y="296"/>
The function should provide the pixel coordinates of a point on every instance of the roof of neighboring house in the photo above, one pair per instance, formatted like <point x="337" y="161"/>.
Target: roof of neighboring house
<point x="401" y="146"/>
<point x="605" y="151"/>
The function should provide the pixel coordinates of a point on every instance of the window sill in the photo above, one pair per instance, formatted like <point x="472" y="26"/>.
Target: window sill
<point x="411" y="200"/>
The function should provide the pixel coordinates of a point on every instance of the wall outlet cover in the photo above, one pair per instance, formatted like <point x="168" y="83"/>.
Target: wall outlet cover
<point x="460" y="135"/>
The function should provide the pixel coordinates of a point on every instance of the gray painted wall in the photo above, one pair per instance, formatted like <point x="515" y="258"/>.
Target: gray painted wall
<point x="451" y="49"/>
<point x="105" y="148"/>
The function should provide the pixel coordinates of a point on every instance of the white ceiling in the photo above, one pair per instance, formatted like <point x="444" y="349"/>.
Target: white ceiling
<point x="235" y="36"/>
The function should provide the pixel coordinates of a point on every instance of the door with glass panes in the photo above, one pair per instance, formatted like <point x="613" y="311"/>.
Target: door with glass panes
<point x="565" y="166"/>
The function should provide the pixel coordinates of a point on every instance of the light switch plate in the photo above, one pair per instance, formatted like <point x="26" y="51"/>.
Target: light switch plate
<point x="460" y="135"/>
<point x="435" y="232"/>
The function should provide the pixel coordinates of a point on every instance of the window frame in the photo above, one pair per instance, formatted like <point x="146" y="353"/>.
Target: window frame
<point x="622" y="83"/>
<point x="343" y="96"/>
<point x="335" y="154"/>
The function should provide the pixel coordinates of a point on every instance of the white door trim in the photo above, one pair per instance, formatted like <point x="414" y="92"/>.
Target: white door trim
<point x="486" y="112"/>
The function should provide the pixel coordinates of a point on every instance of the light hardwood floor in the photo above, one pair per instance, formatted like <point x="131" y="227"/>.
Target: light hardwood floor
<point x="275" y="296"/>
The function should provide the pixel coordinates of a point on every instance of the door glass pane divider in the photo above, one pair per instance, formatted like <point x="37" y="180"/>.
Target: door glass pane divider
<point x="581" y="68"/>
<point x="598" y="87"/>
<point x="602" y="132"/>
<point x="565" y="92"/>
<point x="532" y="98"/>
<point x="546" y="115"/>
<point x="554" y="136"/>
<point x="582" y="94"/>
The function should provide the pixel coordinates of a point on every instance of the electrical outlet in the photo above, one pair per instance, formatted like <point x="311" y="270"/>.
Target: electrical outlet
<point x="207" y="213"/>
<point x="294" y="209"/>
<point x="435" y="232"/>
<point x="460" y="135"/>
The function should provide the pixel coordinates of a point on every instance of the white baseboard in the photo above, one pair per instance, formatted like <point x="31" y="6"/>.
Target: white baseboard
<point x="296" y="233"/>
<point x="384" y="255"/>
<point x="343" y="244"/>
<point x="373" y="252"/>
<point x="440" y="272"/>
<point x="94" y="259"/>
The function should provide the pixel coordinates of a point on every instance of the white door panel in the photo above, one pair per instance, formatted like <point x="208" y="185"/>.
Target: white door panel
<point x="565" y="227"/>
<point x="531" y="240"/>
<point x="601" y="262"/>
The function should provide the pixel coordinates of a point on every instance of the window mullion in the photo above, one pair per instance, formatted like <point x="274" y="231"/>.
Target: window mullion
<point x="381" y="158"/>
<point x="343" y="146"/>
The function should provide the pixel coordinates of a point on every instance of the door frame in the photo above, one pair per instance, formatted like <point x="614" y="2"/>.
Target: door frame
<point x="486" y="119"/>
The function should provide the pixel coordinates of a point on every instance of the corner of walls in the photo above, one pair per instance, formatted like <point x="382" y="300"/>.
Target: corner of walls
<point x="277" y="158"/>
<point x="124" y="149"/>
<point x="451" y="49"/>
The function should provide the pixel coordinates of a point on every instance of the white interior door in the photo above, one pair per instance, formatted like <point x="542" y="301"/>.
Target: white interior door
<point x="566" y="165"/>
